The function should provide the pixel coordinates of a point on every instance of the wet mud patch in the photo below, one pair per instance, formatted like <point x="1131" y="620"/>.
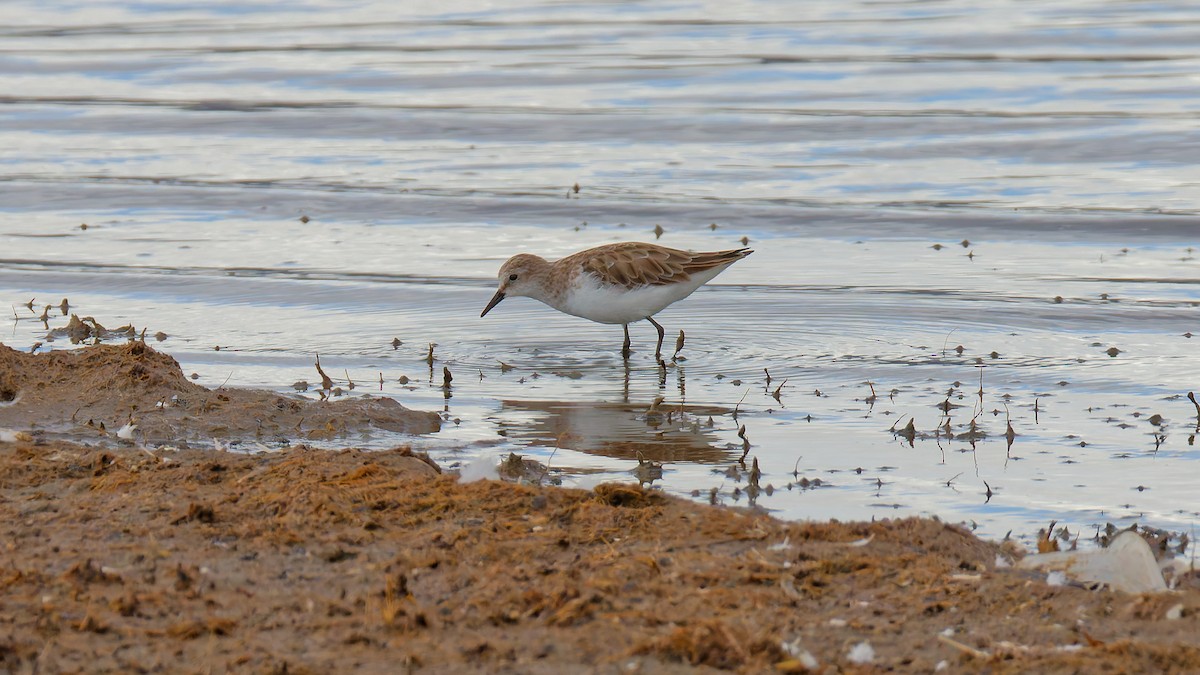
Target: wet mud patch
<point x="96" y="391"/>
<point x="323" y="561"/>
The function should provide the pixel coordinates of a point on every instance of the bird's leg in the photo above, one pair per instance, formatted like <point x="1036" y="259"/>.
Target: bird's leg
<point x="625" y="352"/>
<point x="661" y="334"/>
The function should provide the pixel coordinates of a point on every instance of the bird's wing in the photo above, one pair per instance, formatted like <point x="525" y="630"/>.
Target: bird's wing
<point x="633" y="264"/>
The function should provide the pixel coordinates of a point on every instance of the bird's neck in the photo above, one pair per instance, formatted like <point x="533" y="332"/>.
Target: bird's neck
<point x="550" y="282"/>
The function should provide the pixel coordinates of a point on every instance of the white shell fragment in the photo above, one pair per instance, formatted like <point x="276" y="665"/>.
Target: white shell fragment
<point x="796" y="650"/>
<point x="11" y="436"/>
<point x="861" y="653"/>
<point x="484" y="467"/>
<point x="1126" y="565"/>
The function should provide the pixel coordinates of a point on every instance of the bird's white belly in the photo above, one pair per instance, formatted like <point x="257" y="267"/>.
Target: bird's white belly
<point x="611" y="304"/>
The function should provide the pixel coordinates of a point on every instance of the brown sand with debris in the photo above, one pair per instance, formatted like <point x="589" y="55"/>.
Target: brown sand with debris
<point x="120" y="559"/>
<point x="74" y="392"/>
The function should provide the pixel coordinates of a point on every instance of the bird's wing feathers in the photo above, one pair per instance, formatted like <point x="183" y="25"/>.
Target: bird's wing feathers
<point x="632" y="265"/>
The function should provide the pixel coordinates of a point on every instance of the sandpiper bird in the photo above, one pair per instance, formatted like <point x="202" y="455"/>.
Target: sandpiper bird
<point x="614" y="283"/>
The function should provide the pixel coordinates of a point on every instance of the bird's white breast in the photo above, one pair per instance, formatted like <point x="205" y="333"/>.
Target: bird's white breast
<point x="590" y="299"/>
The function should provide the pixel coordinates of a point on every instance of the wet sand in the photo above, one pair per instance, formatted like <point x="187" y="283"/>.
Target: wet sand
<point x="118" y="558"/>
<point x="98" y="390"/>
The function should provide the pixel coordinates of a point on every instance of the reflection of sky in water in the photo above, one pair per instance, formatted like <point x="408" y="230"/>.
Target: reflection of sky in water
<point x="844" y="139"/>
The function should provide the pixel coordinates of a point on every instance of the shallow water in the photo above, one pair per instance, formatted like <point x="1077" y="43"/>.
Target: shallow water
<point x="1050" y="150"/>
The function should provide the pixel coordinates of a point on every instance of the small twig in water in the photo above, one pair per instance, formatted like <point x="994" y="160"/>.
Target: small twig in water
<point x="1010" y="435"/>
<point x="910" y="432"/>
<point x="745" y="443"/>
<point x="947" y="340"/>
<point x="739" y="403"/>
<point x="653" y="409"/>
<point x="326" y="382"/>
<point x="546" y="470"/>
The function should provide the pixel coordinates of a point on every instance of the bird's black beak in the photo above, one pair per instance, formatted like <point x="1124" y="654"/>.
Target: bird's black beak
<point x="495" y="301"/>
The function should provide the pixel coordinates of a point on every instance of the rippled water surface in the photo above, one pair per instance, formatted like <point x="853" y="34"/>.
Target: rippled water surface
<point x="945" y="198"/>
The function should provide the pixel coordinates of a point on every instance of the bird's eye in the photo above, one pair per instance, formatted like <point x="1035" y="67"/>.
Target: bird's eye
<point x="512" y="277"/>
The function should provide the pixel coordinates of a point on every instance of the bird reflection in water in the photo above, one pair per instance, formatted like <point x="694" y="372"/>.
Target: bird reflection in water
<point x="656" y="432"/>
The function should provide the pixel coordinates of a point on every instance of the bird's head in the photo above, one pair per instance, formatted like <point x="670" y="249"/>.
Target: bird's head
<point x="519" y="276"/>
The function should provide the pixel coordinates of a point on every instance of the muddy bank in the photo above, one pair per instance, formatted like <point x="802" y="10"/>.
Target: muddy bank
<point x="119" y="556"/>
<point x="320" y="561"/>
<point x="97" y="390"/>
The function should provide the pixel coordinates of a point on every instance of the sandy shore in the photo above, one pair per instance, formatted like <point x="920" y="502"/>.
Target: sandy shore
<point x="116" y="558"/>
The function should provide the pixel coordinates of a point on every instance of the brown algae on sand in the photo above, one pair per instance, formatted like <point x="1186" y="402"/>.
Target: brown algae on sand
<point x="321" y="561"/>
<point x="61" y="391"/>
